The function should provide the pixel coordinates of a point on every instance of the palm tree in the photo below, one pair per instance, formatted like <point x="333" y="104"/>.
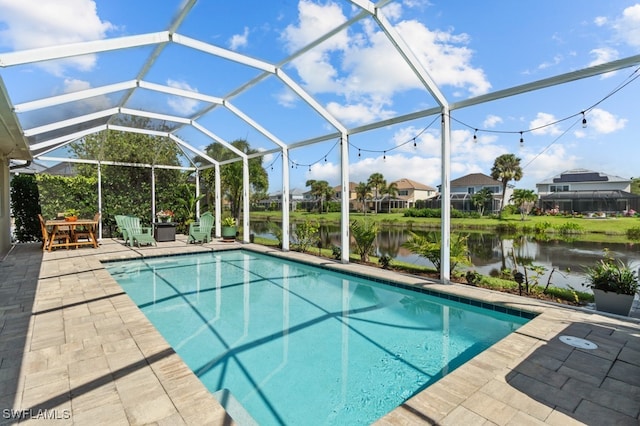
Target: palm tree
<point x="376" y="182"/>
<point x="481" y="198"/>
<point x="524" y="200"/>
<point x="321" y="190"/>
<point x="392" y="191"/>
<point x="506" y="168"/>
<point x="363" y="191"/>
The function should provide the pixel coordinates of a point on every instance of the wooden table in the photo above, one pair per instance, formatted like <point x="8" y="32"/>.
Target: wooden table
<point x="56" y="224"/>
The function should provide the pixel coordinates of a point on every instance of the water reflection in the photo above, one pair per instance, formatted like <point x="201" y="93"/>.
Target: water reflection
<point x="491" y="253"/>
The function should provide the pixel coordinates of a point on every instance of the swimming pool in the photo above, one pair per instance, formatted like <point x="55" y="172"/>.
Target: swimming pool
<point x="298" y="344"/>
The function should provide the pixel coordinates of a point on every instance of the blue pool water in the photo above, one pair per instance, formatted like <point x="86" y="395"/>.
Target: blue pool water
<point x="301" y="345"/>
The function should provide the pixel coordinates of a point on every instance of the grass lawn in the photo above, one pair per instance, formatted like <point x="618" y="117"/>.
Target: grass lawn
<point x="596" y="230"/>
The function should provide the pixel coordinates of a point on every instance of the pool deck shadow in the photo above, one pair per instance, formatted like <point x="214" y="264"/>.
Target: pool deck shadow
<point x="74" y="349"/>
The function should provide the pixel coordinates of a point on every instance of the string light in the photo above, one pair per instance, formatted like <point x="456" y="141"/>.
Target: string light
<point x="475" y="135"/>
<point x="384" y="156"/>
<point x="521" y="139"/>
<point x="414" y="143"/>
<point x="584" y="121"/>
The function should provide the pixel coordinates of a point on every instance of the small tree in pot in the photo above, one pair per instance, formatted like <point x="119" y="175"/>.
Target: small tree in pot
<point x="614" y="284"/>
<point x="229" y="229"/>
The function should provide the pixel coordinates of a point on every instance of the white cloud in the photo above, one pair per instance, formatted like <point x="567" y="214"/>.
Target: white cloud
<point x="239" y="40"/>
<point x="397" y="166"/>
<point x="349" y="63"/>
<point x="366" y="111"/>
<point x="35" y="23"/>
<point x="491" y="121"/>
<point x="603" y="55"/>
<point x="604" y="122"/>
<point x="541" y="125"/>
<point x="628" y="25"/>
<point x="286" y="98"/>
<point x="538" y="166"/>
<point x="184" y="106"/>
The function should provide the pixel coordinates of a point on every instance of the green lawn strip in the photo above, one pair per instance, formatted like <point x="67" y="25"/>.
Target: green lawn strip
<point x="617" y="226"/>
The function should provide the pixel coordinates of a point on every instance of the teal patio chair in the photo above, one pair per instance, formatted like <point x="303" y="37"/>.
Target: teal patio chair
<point x="201" y="231"/>
<point x="133" y="231"/>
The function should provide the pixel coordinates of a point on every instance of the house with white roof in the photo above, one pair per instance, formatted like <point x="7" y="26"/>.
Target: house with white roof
<point x="585" y="191"/>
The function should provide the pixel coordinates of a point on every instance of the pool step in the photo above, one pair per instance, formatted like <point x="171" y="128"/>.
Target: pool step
<point x="235" y="409"/>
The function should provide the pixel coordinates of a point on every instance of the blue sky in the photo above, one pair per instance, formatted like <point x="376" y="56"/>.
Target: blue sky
<point x="468" y="49"/>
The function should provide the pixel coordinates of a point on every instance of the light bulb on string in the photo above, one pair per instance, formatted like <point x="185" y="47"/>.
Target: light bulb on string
<point x="358" y="152"/>
<point x="309" y="168"/>
<point x="584" y="121"/>
<point x="475" y="135"/>
<point x="384" y="156"/>
<point x="414" y="143"/>
<point x="521" y="139"/>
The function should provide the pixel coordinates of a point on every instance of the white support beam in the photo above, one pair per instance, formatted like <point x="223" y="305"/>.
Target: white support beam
<point x="63" y="140"/>
<point x="410" y="58"/>
<point x="70" y="122"/>
<point x="218" y="139"/>
<point x="254" y="124"/>
<point x="445" y="197"/>
<point x="223" y="53"/>
<point x="345" y="238"/>
<point x="155" y="116"/>
<point x="137" y="130"/>
<point x="191" y="148"/>
<point x="197" y="195"/>
<point x="549" y="82"/>
<point x="218" y="200"/>
<point x="75" y="96"/>
<point x="112" y="163"/>
<point x="245" y="199"/>
<point x="61" y="51"/>
<point x="180" y="92"/>
<point x="310" y="100"/>
<point x="286" y="185"/>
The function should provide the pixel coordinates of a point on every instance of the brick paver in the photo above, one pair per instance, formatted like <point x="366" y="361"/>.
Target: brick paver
<point x="72" y="344"/>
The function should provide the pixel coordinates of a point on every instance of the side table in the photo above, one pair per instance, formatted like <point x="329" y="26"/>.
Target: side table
<point x="164" y="231"/>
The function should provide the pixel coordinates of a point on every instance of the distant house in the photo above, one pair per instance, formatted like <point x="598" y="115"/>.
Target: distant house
<point x="409" y="191"/>
<point x="354" y="204"/>
<point x="274" y="201"/>
<point x="463" y="188"/>
<point x="584" y="191"/>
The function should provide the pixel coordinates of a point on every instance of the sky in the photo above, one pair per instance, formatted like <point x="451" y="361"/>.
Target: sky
<point x="467" y="48"/>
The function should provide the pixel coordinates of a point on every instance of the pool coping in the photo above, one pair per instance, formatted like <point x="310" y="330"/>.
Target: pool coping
<point x="86" y="343"/>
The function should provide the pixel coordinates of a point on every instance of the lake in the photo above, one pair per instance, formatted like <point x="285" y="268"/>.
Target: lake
<point x="490" y="252"/>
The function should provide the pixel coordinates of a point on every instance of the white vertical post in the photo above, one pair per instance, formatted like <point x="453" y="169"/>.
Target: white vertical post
<point x="218" y="200"/>
<point x="153" y="193"/>
<point x="100" y="200"/>
<point x="344" y="208"/>
<point x="445" y="197"/>
<point x="245" y="199"/>
<point x="197" y="194"/>
<point x="285" y="199"/>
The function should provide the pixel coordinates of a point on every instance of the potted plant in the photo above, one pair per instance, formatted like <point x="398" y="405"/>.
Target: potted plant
<point x="164" y="216"/>
<point x="614" y="284"/>
<point x="229" y="228"/>
<point x="71" y="215"/>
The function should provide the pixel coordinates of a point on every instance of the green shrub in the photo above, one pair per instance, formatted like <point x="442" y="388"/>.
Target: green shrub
<point x="26" y="207"/>
<point x="633" y="233"/>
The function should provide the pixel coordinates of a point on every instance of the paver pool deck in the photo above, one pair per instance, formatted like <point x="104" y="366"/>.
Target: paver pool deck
<point x="74" y="349"/>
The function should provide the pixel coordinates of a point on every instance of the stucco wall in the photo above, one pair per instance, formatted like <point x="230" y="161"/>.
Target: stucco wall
<point x="5" y="217"/>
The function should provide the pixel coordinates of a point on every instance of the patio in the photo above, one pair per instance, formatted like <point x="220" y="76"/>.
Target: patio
<point x="76" y="349"/>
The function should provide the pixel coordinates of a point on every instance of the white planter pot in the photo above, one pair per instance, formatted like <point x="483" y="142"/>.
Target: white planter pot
<point x="608" y="301"/>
